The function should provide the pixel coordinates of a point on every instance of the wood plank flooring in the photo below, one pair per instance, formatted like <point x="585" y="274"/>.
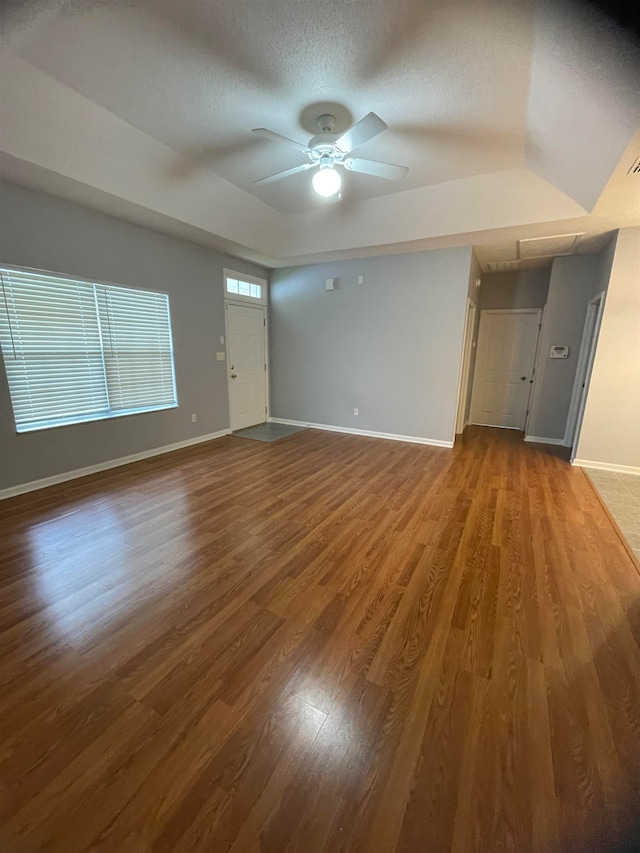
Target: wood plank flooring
<point x="329" y="643"/>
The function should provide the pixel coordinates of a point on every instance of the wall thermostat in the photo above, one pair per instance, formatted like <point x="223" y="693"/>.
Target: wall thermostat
<point x="559" y="352"/>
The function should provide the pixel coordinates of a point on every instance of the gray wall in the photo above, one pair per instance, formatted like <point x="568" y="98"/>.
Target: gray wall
<point x="390" y="347"/>
<point x="39" y="231"/>
<point x="574" y="281"/>
<point x="517" y="289"/>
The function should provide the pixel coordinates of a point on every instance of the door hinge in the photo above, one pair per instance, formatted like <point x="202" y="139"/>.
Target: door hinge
<point x="265" y="367"/>
<point x="264" y="321"/>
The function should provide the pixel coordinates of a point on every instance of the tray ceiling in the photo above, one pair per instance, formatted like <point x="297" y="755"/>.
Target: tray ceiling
<point x="469" y="89"/>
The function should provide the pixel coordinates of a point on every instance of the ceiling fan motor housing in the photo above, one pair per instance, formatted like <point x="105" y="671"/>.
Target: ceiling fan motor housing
<point x="322" y="140"/>
<point x="326" y="123"/>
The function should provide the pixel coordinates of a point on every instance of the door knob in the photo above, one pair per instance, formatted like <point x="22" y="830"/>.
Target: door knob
<point x="233" y="375"/>
<point x="523" y="378"/>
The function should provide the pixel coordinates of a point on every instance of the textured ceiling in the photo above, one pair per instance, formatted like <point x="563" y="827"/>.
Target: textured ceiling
<point x="510" y="114"/>
<point x="618" y="206"/>
<point x="199" y="75"/>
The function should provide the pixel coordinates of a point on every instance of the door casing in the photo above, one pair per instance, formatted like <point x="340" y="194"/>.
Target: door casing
<point x="586" y="358"/>
<point x="467" y="349"/>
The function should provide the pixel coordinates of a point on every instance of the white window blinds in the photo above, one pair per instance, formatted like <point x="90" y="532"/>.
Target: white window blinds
<point x="77" y="350"/>
<point x="136" y="340"/>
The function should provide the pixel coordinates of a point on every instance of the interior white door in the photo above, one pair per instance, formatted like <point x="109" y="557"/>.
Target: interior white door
<point x="247" y="365"/>
<point x="507" y="342"/>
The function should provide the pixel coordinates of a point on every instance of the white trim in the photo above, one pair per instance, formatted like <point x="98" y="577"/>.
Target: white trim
<point x="536" y="367"/>
<point x="607" y="466"/>
<point x="465" y="364"/>
<point x="105" y="466"/>
<point x="511" y="311"/>
<point x="586" y="358"/>
<point x="538" y="439"/>
<point x="493" y="426"/>
<point x="412" y="439"/>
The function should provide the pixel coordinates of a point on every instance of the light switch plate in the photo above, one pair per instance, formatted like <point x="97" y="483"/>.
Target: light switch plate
<point x="220" y="356"/>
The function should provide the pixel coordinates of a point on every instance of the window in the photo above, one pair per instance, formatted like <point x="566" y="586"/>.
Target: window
<point x="244" y="287"/>
<point x="78" y="351"/>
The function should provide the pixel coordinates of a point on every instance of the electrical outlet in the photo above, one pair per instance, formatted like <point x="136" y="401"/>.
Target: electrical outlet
<point x="356" y="411"/>
<point x="194" y="418"/>
<point x="220" y="356"/>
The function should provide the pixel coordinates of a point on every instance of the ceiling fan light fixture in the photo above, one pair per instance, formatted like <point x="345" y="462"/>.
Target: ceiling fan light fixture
<point x="325" y="152"/>
<point x="326" y="181"/>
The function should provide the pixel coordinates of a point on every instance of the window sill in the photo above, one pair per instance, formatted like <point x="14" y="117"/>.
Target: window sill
<point x="102" y="416"/>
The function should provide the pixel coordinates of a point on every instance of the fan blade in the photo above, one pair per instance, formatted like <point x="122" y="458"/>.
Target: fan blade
<point x="362" y="131"/>
<point x="374" y="167"/>
<point x="286" y="173"/>
<point x="277" y="137"/>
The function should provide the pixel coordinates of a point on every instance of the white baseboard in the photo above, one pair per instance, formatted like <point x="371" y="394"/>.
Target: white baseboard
<point x="412" y="439"/>
<point x="105" y="466"/>
<point x="538" y="439"/>
<point x="607" y="466"/>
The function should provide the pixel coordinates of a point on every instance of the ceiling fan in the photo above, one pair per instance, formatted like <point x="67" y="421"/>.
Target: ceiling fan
<point x="326" y="151"/>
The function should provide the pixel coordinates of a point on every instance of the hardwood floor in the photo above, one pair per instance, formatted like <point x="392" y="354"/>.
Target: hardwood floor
<point x="330" y="643"/>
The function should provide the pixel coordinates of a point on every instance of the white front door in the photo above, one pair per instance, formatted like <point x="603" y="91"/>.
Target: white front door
<point x="247" y="365"/>
<point x="507" y="343"/>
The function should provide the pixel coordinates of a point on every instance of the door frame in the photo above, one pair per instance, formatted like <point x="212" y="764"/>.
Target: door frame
<point x="586" y="358"/>
<point x="261" y="306"/>
<point x="463" y="385"/>
<point x="539" y="313"/>
<point x="536" y="364"/>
